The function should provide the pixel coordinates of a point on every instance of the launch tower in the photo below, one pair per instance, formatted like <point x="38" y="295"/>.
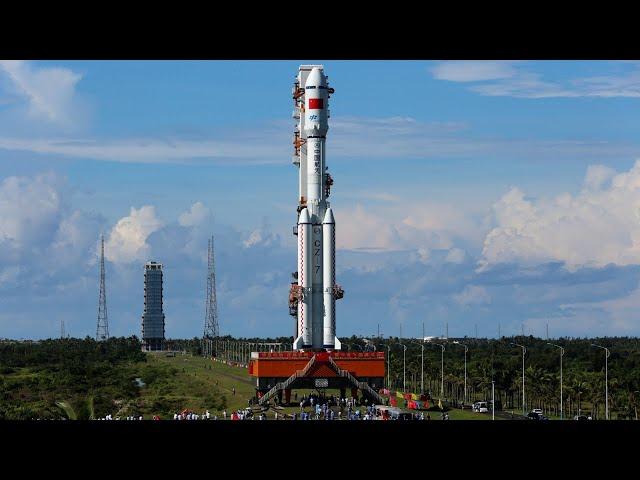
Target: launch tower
<point x="153" y="316"/>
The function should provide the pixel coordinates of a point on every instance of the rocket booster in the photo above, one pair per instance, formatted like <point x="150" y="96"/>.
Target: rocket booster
<point x="316" y="290"/>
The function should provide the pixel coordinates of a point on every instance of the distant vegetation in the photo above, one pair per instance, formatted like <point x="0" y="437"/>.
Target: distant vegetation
<point x="487" y="359"/>
<point x="583" y="372"/>
<point x="53" y="378"/>
<point x="81" y="378"/>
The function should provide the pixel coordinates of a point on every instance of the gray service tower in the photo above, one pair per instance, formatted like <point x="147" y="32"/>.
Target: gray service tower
<point x="153" y="316"/>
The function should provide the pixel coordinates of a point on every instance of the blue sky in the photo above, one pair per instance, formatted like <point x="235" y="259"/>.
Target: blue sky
<point x="466" y="192"/>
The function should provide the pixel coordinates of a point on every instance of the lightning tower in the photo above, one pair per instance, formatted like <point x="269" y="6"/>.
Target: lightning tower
<point x="211" y="330"/>
<point x="102" y="330"/>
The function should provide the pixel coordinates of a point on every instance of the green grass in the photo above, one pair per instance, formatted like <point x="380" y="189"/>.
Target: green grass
<point x="194" y="383"/>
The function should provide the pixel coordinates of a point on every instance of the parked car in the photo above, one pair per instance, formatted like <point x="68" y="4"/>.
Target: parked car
<point x="533" y="415"/>
<point x="581" y="417"/>
<point x="537" y="410"/>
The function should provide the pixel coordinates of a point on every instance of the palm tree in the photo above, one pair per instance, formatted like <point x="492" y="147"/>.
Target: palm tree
<point x="83" y="411"/>
<point x="578" y="387"/>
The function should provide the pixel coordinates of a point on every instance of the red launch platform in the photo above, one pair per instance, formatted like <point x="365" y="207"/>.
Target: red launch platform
<point x="278" y="372"/>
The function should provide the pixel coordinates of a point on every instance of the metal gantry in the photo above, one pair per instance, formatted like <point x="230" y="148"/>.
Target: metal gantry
<point x="211" y="328"/>
<point x="102" y="330"/>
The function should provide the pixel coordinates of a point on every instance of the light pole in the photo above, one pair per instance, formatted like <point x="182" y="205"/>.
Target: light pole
<point x="493" y="400"/>
<point x="404" y="367"/>
<point x="389" y="367"/>
<point x="441" y="370"/>
<point x="635" y="406"/>
<point x="422" y="366"/>
<point x="524" y="350"/>
<point x="561" y="355"/>
<point x="606" y="378"/>
<point x="466" y="349"/>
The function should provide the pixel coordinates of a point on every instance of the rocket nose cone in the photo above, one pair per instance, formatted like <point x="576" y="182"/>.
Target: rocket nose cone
<point x="316" y="78"/>
<point x="328" y="216"/>
<point x="304" y="217"/>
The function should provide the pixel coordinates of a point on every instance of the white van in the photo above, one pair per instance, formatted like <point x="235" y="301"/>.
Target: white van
<point x="481" y="407"/>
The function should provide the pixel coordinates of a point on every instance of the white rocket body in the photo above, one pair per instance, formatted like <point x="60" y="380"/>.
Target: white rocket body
<point x="316" y="225"/>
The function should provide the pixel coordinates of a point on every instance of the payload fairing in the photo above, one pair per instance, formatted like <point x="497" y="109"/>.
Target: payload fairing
<point x="313" y="295"/>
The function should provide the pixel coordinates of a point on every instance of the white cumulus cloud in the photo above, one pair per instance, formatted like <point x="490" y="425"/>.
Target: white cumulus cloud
<point x="473" y="295"/>
<point x="30" y="209"/>
<point x="127" y="240"/>
<point x="49" y="91"/>
<point x="197" y="214"/>
<point x="596" y="227"/>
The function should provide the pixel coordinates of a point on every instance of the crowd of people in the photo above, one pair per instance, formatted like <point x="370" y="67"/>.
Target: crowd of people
<point x="317" y="412"/>
<point x="187" y="415"/>
<point x="128" y="417"/>
<point x="312" y="407"/>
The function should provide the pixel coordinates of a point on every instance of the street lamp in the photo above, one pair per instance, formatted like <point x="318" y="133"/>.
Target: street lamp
<point x="561" y="355"/>
<point x="524" y="350"/>
<point x="606" y="378"/>
<point x="389" y="367"/>
<point x="441" y="370"/>
<point x="422" y="366"/>
<point x="493" y="400"/>
<point x="466" y="349"/>
<point x="404" y="367"/>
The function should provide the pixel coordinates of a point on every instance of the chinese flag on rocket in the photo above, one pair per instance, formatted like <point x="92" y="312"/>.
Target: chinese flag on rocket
<point x="316" y="104"/>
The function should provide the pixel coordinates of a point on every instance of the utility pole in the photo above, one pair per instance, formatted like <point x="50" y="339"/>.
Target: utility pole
<point x="389" y="367"/>
<point x="446" y="330"/>
<point x="102" y="330"/>
<point x="422" y="362"/>
<point x="524" y="350"/>
<point x="441" y="371"/>
<point x="561" y="355"/>
<point x="547" y="331"/>
<point x="62" y="332"/>
<point x="466" y="349"/>
<point x="476" y="325"/>
<point x="522" y="325"/>
<point x="499" y="335"/>
<point x="404" y="368"/>
<point x="493" y="400"/>
<point x="606" y="378"/>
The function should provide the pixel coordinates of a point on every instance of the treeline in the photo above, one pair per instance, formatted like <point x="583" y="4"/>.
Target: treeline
<point x="499" y="361"/>
<point x="43" y="379"/>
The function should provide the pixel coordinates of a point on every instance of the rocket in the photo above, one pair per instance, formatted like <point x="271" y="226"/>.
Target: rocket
<point x="314" y="293"/>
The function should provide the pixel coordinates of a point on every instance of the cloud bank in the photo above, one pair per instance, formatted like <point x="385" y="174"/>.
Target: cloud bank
<point x="517" y="79"/>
